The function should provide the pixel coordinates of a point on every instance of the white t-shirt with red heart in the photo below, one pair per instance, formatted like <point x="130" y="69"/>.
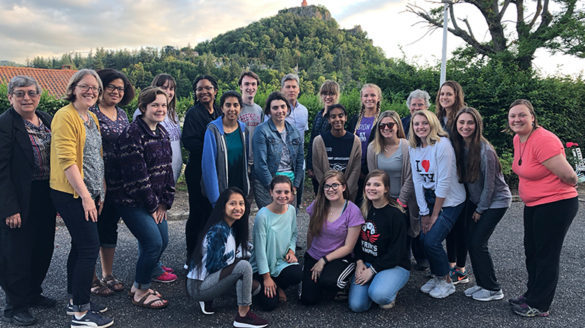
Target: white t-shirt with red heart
<point x="434" y="167"/>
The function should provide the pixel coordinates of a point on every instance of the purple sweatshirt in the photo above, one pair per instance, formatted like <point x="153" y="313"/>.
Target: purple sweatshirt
<point x="145" y="160"/>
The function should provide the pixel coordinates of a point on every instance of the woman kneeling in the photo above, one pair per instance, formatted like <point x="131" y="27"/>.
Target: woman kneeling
<point x="383" y="264"/>
<point x="217" y="264"/>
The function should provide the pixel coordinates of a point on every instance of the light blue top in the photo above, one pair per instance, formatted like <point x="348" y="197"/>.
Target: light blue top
<point x="274" y="234"/>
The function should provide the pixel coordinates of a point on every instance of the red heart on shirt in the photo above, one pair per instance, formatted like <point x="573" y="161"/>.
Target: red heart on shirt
<point x="426" y="165"/>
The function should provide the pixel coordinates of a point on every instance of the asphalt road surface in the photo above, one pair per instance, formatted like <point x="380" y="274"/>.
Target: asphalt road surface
<point x="413" y="308"/>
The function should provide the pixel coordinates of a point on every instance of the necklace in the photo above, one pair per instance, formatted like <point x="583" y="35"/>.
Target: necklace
<point x="522" y="149"/>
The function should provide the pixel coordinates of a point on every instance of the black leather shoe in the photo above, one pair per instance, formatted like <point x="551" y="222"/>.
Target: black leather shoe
<point x="44" y="302"/>
<point x="20" y="318"/>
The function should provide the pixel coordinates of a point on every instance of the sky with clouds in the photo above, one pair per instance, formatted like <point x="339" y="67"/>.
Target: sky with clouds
<point x="48" y="28"/>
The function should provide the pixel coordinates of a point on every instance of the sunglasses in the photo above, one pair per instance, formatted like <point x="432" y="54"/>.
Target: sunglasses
<point x="389" y="125"/>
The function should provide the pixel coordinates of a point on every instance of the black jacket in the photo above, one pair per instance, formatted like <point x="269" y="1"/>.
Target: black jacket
<point x="16" y="164"/>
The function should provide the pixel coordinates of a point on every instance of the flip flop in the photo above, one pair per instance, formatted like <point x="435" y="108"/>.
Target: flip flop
<point x="142" y="302"/>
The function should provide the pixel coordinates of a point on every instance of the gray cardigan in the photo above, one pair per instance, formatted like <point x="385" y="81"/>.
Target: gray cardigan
<point x="490" y="189"/>
<point x="407" y="195"/>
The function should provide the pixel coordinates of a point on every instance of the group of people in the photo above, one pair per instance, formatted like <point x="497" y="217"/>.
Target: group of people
<point x="386" y="189"/>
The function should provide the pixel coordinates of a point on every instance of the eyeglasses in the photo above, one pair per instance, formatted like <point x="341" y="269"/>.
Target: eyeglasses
<point x="86" y="88"/>
<point x="332" y="186"/>
<point x="389" y="125"/>
<point x="30" y="93"/>
<point x="207" y="88"/>
<point x="111" y="88"/>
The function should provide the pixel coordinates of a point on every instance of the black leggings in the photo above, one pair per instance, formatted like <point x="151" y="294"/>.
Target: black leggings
<point x="335" y="276"/>
<point x="457" y="239"/>
<point x="289" y="276"/>
<point x="545" y="228"/>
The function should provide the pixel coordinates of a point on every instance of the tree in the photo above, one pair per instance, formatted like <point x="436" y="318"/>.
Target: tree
<point x="557" y="25"/>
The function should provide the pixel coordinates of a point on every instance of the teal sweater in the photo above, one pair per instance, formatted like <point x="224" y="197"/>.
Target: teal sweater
<point x="274" y="235"/>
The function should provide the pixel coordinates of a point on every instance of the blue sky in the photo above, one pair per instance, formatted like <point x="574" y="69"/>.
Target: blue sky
<point x="30" y="28"/>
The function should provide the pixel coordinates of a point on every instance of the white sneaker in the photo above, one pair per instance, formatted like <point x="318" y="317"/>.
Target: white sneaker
<point x="387" y="306"/>
<point x="442" y="289"/>
<point x="485" y="295"/>
<point x="470" y="291"/>
<point x="430" y="285"/>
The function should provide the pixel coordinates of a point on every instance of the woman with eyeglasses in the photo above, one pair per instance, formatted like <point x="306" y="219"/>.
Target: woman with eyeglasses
<point x="117" y="92"/>
<point x="389" y="152"/>
<point x="27" y="215"/>
<point x="333" y="231"/>
<point x="329" y="96"/>
<point x="196" y="120"/>
<point x="78" y="191"/>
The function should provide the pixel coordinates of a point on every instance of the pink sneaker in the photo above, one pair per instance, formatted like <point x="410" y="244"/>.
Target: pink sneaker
<point x="167" y="269"/>
<point x="166" y="278"/>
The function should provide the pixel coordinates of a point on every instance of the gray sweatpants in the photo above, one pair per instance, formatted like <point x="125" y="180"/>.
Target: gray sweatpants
<point x="213" y="286"/>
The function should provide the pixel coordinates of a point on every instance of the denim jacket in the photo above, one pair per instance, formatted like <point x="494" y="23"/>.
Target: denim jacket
<point x="267" y="149"/>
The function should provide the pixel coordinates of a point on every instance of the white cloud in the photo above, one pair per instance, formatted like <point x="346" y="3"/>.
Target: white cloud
<point x="32" y="28"/>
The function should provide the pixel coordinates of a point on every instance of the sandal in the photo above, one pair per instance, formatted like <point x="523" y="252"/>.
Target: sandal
<point x="97" y="288"/>
<point x="149" y="305"/>
<point x="113" y="283"/>
<point x="132" y="292"/>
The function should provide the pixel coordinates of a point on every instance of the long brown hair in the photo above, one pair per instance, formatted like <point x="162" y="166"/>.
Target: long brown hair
<point x="470" y="172"/>
<point x="378" y="138"/>
<point x="459" y="103"/>
<point x="321" y="205"/>
<point x="367" y="204"/>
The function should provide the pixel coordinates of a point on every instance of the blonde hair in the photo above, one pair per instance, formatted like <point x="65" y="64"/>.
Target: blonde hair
<point x="378" y="138"/>
<point x="434" y="135"/>
<point x="363" y="109"/>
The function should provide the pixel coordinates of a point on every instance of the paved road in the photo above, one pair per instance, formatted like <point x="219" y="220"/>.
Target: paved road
<point x="413" y="309"/>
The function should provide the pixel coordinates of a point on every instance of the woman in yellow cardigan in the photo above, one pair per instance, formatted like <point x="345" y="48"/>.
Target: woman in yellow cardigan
<point x="78" y="190"/>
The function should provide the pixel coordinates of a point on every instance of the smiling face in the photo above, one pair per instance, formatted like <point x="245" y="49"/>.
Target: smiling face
<point x="281" y="194"/>
<point x="169" y="88"/>
<point x="447" y="97"/>
<point x="113" y="93"/>
<point x="205" y="92"/>
<point x="291" y="90"/>
<point x="333" y="189"/>
<point x="234" y="208"/>
<point x="337" y="119"/>
<point x="385" y="130"/>
<point x="417" y="104"/>
<point x="24" y="100"/>
<point x="421" y="126"/>
<point x="329" y="98"/>
<point x="249" y="87"/>
<point x="370" y="98"/>
<point x="231" y="108"/>
<point x="278" y="111"/>
<point x="156" y="111"/>
<point x="521" y="120"/>
<point x="466" y="126"/>
<point x="375" y="189"/>
<point x="86" y="92"/>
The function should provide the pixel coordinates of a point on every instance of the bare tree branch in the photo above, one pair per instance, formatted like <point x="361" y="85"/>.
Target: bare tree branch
<point x="537" y="13"/>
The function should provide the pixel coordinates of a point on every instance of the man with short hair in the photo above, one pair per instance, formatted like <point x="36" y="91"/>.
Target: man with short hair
<point x="251" y="113"/>
<point x="299" y="115"/>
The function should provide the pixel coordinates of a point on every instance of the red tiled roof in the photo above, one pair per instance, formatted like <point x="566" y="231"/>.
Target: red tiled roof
<point x="53" y="80"/>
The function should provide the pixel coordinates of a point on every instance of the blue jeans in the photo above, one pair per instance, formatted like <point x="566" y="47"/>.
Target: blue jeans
<point x="382" y="289"/>
<point x="433" y="239"/>
<point x="152" y="241"/>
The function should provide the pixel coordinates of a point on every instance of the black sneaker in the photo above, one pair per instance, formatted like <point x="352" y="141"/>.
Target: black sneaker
<point x="93" y="307"/>
<point x="19" y="318"/>
<point x="207" y="307"/>
<point x="251" y="320"/>
<point x="526" y="310"/>
<point x="91" y="319"/>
